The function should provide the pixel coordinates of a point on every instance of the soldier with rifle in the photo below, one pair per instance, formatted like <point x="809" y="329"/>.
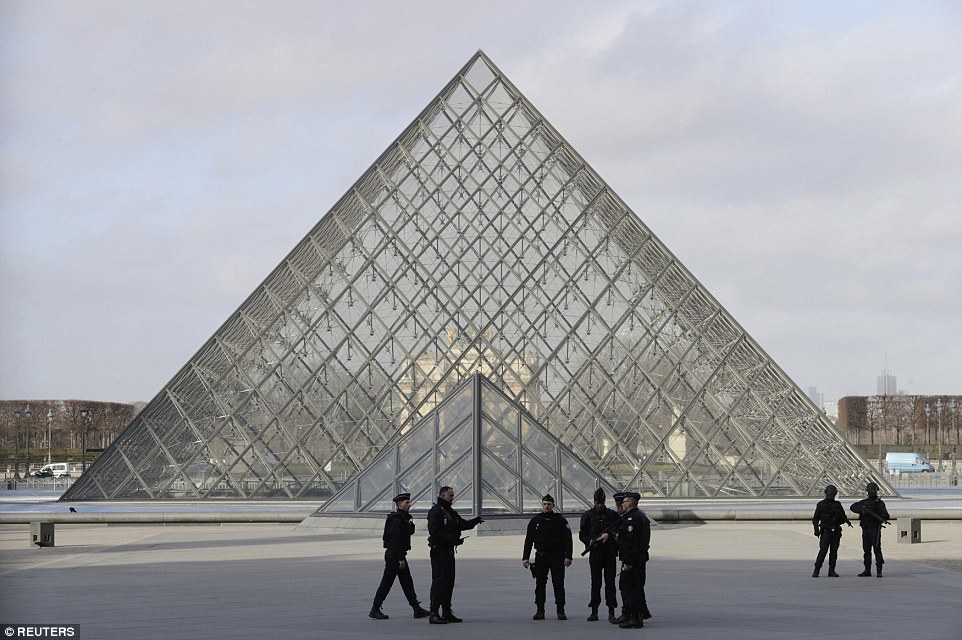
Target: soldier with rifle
<point x="872" y="517"/>
<point x="595" y="533"/>
<point x="828" y="520"/>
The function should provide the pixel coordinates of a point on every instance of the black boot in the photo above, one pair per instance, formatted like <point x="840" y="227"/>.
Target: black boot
<point x="645" y="613"/>
<point x="450" y="617"/>
<point x="419" y="611"/>
<point x="594" y="615"/>
<point x="632" y="621"/>
<point x="620" y="618"/>
<point x="815" y="573"/>
<point x="436" y="619"/>
<point x="377" y="614"/>
<point x="611" y="614"/>
<point x="538" y="614"/>
<point x="868" y="571"/>
<point x="878" y="570"/>
<point x="831" y="572"/>
<point x="561" y="614"/>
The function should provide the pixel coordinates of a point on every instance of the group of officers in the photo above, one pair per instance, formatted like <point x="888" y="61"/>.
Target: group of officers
<point x="608" y="535"/>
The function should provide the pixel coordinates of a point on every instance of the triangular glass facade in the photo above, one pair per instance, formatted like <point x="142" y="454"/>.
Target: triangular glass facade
<point x="479" y="242"/>
<point x="494" y="453"/>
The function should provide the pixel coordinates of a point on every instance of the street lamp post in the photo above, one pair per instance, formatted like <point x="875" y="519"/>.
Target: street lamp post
<point x="49" y="431"/>
<point x="938" y="410"/>
<point x="84" y="417"/>
<point x="16" y="443"/>
<point x="928" y="412"/>
<point x="27" y="412"/>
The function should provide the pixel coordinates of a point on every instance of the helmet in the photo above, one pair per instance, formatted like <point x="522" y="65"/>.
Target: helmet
<point x="871" y="486"/>
<point x="831" y="490"/>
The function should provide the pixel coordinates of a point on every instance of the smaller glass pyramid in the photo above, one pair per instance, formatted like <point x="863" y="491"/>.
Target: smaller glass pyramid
<point x="488" y="448"/>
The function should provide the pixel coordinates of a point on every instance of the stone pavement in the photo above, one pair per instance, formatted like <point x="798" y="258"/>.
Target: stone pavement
<point x="714" y="580"/>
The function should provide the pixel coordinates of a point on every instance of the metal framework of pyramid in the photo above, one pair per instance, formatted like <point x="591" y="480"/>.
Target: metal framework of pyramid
<point x="478" y="242"/>
<point x="495" y="454"/>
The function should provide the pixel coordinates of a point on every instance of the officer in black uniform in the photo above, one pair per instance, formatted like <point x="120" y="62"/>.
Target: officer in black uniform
<point x="634" y="538"/>
<point x="551" y="536"/>
<point x="397" y="542"/>
<point x="602" y="554"/>
<point x="828" y="520"/>
<point x="444" y="535"/>
<point x="872" y="514"/>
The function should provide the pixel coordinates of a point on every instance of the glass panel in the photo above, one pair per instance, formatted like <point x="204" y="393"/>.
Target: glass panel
<point x="377" y="476"/>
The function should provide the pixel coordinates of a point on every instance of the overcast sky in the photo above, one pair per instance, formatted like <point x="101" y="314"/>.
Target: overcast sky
<point x="158" y="159"/>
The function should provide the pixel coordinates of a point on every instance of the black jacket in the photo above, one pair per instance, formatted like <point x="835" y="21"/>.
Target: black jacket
<point x="548" y="533"/>
<point x="593" y="523"/>
<point x="634" y="537"/>
<point x="829" y="515"/>
<point x="445" y="525"/>
<point x="865" y="508"/>
<point x="397" y="534"/>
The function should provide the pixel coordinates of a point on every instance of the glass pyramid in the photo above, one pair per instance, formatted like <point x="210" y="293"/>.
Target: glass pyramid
<point x="494" y="453"/>
<point x="478" y="242"/>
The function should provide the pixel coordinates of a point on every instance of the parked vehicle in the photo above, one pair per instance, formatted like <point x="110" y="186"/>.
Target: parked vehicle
<point x="897" y="462"/>
<point x="54" y="470"/>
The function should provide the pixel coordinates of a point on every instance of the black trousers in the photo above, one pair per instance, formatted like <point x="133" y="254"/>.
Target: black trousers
<point x="828" y="543"/>
<point x="872" y="541"/>
<point x="553" y="563"/>
<point x="391" y="571"/>
<point x="633" y="587"/>
<point x="603" y="562"/>
<point x="442" y="577"/>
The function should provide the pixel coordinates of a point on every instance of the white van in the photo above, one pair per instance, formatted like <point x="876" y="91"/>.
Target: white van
<point x="897" y="462"/>
<point x="54" y="470"/>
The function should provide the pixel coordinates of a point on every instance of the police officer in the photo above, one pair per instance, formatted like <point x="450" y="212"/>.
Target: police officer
<point x="550" y="535"/>
<point x="872" y="514"/>
<point x="634" y="538"/>
<point x="602" y="554"/>
<point x="444" y="535"/>
<point x="828" y="520"/>
<point x="397" y="542"/>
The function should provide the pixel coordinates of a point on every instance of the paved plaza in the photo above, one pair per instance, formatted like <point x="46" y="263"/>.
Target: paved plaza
<point x="713" y="580"/>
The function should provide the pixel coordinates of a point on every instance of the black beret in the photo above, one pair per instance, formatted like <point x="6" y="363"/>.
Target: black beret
<point x="547" y="498"/>
<point x="600" y="495"/>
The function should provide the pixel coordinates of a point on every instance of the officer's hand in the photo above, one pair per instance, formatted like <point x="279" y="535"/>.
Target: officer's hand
<point x="602" y="537"/>
<point x="567" y="562"/>
<point x="817" y="532"/>
<point x="625" y="567"/>
<point x="525" y="563"/>
<point x="401" y="564"/>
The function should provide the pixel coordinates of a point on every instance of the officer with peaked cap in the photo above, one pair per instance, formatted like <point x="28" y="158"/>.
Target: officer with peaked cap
<point x="634" y="538"/>
<point x="828" y="520"/>
<point x="550" y="535"/>
<point x="595" y="533"/>
<point x="397" y="542"/>
<point x="872" y="514"/>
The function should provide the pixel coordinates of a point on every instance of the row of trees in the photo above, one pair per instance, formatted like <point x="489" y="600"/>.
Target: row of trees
<point x="931" y="421"/>
<point x="31" y="428"/>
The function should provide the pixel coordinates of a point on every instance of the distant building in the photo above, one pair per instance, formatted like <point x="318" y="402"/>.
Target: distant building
<point x="817" y="397"/>
<point x="886" y="384"/>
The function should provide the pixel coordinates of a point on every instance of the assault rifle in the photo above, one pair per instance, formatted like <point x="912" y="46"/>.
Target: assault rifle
<point x="863" y="509"/>
<point x="594" y="540"/>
